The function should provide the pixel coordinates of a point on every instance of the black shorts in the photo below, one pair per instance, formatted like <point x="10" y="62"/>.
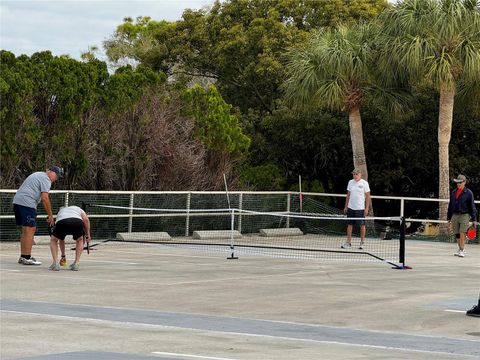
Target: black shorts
<point x="70" y="226"/>
<point x="356" y="214"/>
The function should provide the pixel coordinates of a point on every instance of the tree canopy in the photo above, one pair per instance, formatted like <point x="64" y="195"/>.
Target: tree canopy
<point x="192" y="99"/>
<point x="437" y="42"/>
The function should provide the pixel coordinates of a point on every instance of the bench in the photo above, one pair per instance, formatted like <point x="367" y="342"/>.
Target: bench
<point x="281" y="232"/>
<point x="144" y="236"/>
<point x="216" y="234"/>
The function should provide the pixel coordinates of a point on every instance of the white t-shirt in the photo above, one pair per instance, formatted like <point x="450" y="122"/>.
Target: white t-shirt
<point x="69" y="212"/>
<point x="357" y="189"/>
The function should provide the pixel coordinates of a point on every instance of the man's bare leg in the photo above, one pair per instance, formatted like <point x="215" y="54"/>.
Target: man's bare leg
<point x="26" y="240"/>
<point x="349" y="233"/>
<point x="363" y="231"/>
<point x="461" y="241"/>
<point x="54" y="249"/>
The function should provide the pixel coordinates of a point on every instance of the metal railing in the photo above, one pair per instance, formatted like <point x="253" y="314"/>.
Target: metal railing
<point x="189" y="201"/>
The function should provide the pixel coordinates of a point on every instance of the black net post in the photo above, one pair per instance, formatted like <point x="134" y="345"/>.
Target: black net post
<point x="401" y="257"/>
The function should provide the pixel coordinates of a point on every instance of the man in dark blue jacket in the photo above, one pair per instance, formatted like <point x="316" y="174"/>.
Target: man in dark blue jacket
<point x="461" y="211"/>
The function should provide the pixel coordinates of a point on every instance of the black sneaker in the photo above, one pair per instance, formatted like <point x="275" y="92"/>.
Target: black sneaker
<point x="474" y="311"/>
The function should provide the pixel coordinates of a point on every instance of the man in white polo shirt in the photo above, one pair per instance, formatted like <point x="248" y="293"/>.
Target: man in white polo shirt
<point x="356" y="206"/>
<point x="71" y="220"/>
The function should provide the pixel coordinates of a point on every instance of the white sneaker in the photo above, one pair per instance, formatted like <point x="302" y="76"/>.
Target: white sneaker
<point x="31" y="261"/>
<point x="460" y="253"/>
<point x="361" y="246"/>
<point x="347" y="245"/>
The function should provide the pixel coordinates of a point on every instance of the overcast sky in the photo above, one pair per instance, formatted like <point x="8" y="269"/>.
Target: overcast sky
<point x="71" y="26"/>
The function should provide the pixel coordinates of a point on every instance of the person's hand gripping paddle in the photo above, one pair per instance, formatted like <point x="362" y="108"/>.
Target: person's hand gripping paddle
<point x="472" y="231"/>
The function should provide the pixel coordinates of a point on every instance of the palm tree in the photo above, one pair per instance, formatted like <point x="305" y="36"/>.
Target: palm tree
<point x="437" y="41"/>
<point x="334" y="70"/>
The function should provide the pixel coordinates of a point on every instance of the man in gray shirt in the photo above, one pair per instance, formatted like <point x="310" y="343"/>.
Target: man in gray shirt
<point x="34" y="189"/>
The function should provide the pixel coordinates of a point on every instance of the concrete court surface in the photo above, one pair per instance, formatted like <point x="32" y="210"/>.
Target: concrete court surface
<point x="155" y="302"/>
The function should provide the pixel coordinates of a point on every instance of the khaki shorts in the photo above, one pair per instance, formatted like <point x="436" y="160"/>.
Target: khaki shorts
<point x="460" y="223"/>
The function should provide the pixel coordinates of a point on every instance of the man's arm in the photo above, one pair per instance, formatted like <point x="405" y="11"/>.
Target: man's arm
<point x="346" y="202"/>
<point x="367" y="203"/>
<point x="86" y="223"/>
<point x="48" y="207"/>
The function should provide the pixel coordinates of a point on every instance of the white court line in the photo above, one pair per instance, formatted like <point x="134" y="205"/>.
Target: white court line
<point x="156" y="326"/>
<point x="9" y="270"/>
<point x="321" y="264"/>
<point x="455" y="311"/>
<point x="189" y="356"/>
<point x="90" y="279"/>
<point x="156" y="255"/>
<point x="85" y="260"/>
<point x="112" y="262"/>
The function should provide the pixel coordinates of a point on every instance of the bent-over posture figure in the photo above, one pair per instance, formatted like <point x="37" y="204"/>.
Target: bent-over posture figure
<point x="71" y="220"/>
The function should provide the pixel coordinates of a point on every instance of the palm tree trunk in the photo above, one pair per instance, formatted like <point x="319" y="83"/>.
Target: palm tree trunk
<point x="358" y="149"/>
<point x="445" y="119"/>
<point x="356" y="136"/>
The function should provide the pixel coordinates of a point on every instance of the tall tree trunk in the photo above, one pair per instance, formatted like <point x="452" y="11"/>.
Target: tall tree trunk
<point x="358" y="149"/>
<point x="356" y="136"/>
<point x="445" y="119"/>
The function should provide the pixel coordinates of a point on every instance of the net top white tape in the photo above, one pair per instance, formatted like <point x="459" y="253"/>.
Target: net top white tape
<point x="252" y="212"/>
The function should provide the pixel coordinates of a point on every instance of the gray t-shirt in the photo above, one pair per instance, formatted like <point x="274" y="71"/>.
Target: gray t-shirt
<point x="29" y="193"/>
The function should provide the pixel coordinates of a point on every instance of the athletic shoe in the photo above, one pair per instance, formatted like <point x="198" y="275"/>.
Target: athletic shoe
<point x="74" y="267"/>
<point x="474" y="311"/>
<point x="460" y="253"/>
<point x="54" y="267"/>
<point x="63" y="261"/>
<point x="31" y="261"/>
<point x="361" y="246"/>
<point x="347" y="245"/>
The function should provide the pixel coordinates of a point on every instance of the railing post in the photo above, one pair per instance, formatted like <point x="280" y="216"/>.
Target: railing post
<point x="187" y="218"/>
<point x="402" y="207"/>
<point x="66" y="199"/>
<point x="288" y="209"/>
<point x="130" y="212"/>
<point x="240" y="206"/>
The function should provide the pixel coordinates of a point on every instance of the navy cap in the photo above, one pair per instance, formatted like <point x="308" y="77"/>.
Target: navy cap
<point x="57" y="170"/>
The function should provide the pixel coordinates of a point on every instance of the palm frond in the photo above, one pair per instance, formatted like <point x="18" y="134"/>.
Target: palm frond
<point x="324" y="71"/>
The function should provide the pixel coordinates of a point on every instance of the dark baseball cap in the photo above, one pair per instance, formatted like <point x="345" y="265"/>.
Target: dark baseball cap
<point x="57" y="170"/>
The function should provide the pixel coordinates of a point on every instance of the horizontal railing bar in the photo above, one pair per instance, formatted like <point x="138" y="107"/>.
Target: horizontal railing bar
<point x="427" y="220"/>
<point x="109" y="192"/>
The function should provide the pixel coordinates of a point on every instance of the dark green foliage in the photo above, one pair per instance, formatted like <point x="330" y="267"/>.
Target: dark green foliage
<point x="263" y="177"/>
<point x="135" y="130"/>
<point x="121" y="131"/>
<point x="43" y="107"/>
<point x="215" y="126"/>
